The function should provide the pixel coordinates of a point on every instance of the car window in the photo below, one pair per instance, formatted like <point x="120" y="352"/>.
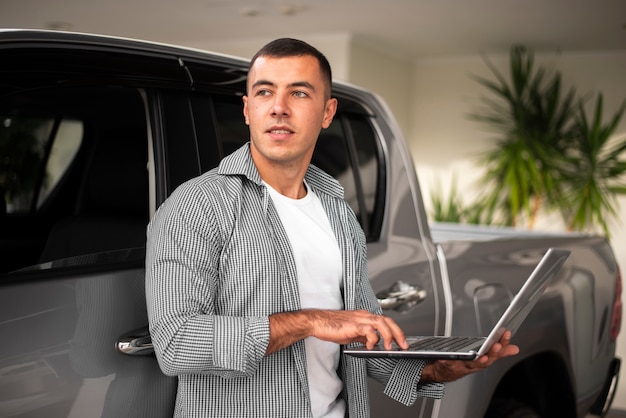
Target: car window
<point x="231" y="129"/>
<point x="65" y="145"/>
<point x="36" y="153"/>
<point x="348" y="151"/>
<point x="332" y="156"/>
<point x="73" y="175"/>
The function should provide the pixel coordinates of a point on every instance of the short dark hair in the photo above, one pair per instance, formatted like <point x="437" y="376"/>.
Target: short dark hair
<point x="289" y="47"/>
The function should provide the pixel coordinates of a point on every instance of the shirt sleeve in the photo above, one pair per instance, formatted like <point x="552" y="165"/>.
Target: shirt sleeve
<point x="182" y="259"/>
<point x="404" y="383"/>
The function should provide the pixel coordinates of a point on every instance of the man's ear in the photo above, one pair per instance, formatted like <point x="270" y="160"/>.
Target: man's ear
<point x="329" y="112"/>
<point x="245" y="109"/>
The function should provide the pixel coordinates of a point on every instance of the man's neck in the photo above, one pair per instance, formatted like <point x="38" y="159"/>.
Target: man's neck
<point x="293" y="188"/>
<point x="287" y="180"/>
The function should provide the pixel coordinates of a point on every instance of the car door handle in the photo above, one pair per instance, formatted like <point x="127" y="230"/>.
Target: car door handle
<point x="136" y="343"/>
<point x="401" y="296"/>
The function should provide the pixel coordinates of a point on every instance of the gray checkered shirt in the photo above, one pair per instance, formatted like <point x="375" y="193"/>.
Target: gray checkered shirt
<point x="218" y="264"/>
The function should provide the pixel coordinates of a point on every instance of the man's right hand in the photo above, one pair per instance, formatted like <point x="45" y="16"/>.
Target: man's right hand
<point x="338" y="326"/>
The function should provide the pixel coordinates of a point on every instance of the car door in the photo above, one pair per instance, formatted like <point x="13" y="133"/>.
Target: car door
<point x="60" y="319"/>
<point x="75" y="149"/>
<point x="401" y="256"/>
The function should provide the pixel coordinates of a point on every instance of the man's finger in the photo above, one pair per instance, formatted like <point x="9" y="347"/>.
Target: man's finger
<point x="389" y="331"/>
<point x="372" y="337"/>
<point x="397" y="334"/>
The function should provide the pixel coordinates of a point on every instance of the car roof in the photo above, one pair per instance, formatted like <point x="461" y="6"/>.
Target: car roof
<point x="42" y="37"/>
<point x="39" y="38"/>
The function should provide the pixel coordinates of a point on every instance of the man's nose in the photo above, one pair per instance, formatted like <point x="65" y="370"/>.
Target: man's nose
<point x="280" y="106"/>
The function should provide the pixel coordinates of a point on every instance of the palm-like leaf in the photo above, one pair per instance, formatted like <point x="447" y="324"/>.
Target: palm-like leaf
<point x="593" y="169"/>
<point x="452" y="208"/>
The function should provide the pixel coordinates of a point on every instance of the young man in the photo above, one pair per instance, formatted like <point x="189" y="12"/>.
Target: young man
<point x="257" y="270"/>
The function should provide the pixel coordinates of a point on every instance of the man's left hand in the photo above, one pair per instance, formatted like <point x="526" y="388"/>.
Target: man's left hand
<point x="450" y="370"/>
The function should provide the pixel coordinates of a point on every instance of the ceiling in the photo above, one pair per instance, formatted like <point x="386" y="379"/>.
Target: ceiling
<point x="411" y="28"/>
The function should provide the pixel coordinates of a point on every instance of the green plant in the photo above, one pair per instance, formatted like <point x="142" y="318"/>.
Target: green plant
<point x="453" y="209"/>
<point x="592" y="170"/>
<point x="533" y="119"/>
<point x="446" y="210"/>
<point x="549" y="155"/>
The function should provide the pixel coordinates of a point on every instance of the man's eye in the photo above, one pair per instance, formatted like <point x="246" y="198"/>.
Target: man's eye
<point x="300" y="94"/>
<point x="263" y="93"/>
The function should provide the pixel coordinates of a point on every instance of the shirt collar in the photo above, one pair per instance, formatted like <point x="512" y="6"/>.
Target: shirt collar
<point x="240" y="163"/>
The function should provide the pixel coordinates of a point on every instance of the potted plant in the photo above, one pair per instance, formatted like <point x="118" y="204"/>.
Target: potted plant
<point x="548" y="154"/>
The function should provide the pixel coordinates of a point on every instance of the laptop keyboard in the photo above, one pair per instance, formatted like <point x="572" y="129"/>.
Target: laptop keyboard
<point x="444" y="343"/>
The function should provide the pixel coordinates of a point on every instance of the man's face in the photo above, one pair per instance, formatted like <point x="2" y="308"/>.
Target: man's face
<point x="286" y="107"/>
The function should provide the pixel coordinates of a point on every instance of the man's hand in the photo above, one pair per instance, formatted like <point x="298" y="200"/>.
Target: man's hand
<point x="450" y="370"/>
<point x="338" y="326"/>
<point x="344" y="327"/>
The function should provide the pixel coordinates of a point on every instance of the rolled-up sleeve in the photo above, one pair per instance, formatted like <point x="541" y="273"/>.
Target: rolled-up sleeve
<point x="404" y="384"/>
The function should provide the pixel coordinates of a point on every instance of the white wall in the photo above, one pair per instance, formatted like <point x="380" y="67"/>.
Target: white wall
<point x="388" y="76"/>
<point x="443" y="141"/>
<point x="335" y="46"/>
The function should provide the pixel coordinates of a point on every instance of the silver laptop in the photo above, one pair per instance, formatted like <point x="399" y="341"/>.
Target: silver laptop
<point x="470" y="348"/>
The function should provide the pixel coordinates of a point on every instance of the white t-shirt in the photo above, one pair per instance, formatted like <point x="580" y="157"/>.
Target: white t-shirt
<point x="318" y="263"/>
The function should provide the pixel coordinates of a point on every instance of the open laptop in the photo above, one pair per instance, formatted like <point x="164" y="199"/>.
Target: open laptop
<point x="470" y="348"/>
